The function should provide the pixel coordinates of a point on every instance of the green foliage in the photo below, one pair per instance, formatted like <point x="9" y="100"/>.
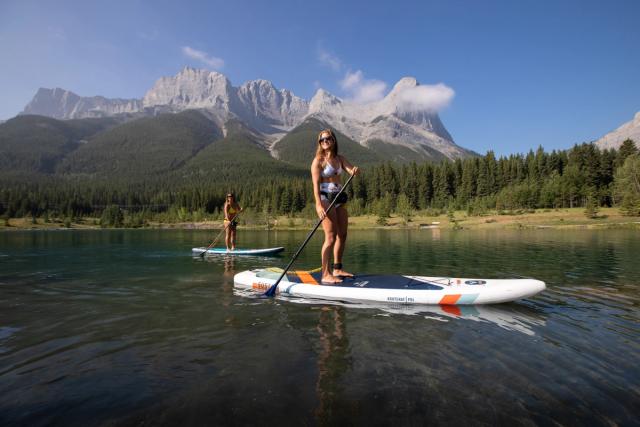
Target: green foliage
<point x="403" y="207"/>
<point x="356" y="207"/>
<point x="477" y="207"/>
<point x="146" y="146"/>
<point x="38" y="144"/>
<point x="591" y="206"/>
<point x="112" y="216"/>
<point x="627" y="185"/>
<point x="383" y="207"/>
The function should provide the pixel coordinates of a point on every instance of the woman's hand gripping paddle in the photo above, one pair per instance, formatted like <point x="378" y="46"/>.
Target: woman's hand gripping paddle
<point x="272" y="290"/>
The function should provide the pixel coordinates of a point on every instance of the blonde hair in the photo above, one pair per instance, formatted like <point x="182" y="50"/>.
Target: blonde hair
<point x="320" y="152"/>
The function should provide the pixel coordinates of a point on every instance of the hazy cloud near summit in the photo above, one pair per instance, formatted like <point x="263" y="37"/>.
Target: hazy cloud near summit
<point x="425" y="97"/>
<point x="328" y="59"/>
<point x="205" y="58"/>
<point x="362" y="90"/>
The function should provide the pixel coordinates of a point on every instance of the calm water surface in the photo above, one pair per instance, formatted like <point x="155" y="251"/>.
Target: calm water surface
<point x="126" y="328"/>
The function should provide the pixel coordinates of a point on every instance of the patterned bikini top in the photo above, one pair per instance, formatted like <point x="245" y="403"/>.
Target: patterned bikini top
<point x="330" y="171"/>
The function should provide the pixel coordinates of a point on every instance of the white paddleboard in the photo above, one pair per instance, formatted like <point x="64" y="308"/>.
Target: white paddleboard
<point x="224" y="251"/>
<point x="395" y="289"/>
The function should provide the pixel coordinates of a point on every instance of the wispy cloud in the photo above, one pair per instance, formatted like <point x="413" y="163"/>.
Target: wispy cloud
<point x="328" y="59"/>
<point x="426" y="97"/>
<point x="149" y="35"/>
<point x="362" y="90"/>
<point x="205" y="58"/>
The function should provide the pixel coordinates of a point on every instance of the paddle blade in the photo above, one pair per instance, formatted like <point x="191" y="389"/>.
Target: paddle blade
<point x="271" y="292"/>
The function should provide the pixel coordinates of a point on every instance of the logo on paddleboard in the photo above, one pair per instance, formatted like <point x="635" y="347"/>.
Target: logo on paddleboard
<point x="361" y="284"/>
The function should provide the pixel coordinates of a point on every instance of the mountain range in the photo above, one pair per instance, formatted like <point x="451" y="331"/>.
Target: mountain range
<point x="393" y="125"/>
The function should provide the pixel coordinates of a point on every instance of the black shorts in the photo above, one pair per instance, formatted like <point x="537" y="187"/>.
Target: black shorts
<point x="342" y="199"/>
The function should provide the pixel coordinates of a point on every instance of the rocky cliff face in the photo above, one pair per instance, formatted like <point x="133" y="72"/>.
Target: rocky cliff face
<point x="629" y="130"/>
<point x="399" y="118"/>
<point x="63" y="104"/>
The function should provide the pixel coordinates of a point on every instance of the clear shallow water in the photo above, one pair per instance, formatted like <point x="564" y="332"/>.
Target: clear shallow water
<point x="125" y="328"/>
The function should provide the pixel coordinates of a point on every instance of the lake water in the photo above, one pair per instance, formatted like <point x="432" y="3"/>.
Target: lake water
<point x="113" y="327"/>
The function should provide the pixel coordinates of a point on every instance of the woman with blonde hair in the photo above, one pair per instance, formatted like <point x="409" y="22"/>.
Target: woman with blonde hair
<point x="326" y="168"/>
<point x="231" y="210"/>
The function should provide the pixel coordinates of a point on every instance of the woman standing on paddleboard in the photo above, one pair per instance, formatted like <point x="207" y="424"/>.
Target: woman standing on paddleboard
<point x="326" y="168"/>
<point x="231" y="211"/>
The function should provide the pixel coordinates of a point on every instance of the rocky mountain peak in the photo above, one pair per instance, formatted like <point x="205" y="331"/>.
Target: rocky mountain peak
<point x="404" y="83"/>
<point x="190" y="88"/>
<point x="323" y="101"/>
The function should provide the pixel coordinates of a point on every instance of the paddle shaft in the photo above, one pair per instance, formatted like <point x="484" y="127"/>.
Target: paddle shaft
<point x="219" y="234"/>
<point x="272" y="290"/>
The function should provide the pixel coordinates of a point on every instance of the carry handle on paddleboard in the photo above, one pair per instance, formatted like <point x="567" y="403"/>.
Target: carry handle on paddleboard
<point x="219" y="234"/>
<point x="272" y="290"/>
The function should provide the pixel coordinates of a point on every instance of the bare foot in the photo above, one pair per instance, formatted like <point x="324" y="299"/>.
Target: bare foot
<point x="330" y="280"/>
<point x="341" y="273"/>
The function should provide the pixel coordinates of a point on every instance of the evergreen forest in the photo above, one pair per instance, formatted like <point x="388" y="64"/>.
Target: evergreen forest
<point x="583" y="176"/>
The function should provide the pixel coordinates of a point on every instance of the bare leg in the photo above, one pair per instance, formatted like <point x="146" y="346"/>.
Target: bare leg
<point x="227" y="238"/>
<point x="329" y="225"/>
<point x="233" y="239"/>
<point x="341" y="240"/>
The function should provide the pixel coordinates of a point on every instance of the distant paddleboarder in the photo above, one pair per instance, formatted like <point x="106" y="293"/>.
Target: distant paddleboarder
<point x="326" y="168"/>
<point x="231" y="211"/>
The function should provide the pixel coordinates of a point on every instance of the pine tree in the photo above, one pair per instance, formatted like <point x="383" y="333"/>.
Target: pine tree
<point x="627" y="185"/>
<point x="627" y="149"/>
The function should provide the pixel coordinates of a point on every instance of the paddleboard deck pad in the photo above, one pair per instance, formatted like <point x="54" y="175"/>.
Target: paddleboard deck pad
<point x="392" y="288"/>
<point x="223" y="251"/>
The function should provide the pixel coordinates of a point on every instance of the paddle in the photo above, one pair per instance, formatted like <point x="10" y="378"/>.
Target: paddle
<point x="219" y="234"/>
<point x="272" y="290"/>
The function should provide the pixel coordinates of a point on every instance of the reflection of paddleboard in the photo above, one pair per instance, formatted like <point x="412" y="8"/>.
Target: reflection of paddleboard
<point x="224" y="251"/>
<point x="393" y="289"/>
<point x="518" y="319"/>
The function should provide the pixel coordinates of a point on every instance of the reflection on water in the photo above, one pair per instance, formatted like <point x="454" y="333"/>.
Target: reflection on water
<point x="512" y="317"/>
<point x="126" y="328"/>
<point x="332" y="361"/>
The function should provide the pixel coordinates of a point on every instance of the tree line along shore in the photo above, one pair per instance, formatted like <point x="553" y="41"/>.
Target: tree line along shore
<point x="597" y="186"/>
<point x="569" y="218"/>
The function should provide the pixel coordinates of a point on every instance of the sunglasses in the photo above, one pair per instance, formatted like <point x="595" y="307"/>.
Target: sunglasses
<point x="325" y="139"/>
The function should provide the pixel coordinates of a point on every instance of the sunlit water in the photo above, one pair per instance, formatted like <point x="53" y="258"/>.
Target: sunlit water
<point x="126" y="328"/>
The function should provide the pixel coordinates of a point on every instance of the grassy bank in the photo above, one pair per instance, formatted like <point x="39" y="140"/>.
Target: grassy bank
<point x="459" y="220"/>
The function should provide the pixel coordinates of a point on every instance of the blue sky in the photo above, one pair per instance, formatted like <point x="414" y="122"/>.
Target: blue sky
<point x="517" y="74"/>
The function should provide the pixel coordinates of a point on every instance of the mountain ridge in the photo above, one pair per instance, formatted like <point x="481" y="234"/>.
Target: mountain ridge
<point x="269" y="112"/>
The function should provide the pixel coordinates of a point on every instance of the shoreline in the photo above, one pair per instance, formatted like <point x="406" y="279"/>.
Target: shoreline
<point x="571" y="218"/>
